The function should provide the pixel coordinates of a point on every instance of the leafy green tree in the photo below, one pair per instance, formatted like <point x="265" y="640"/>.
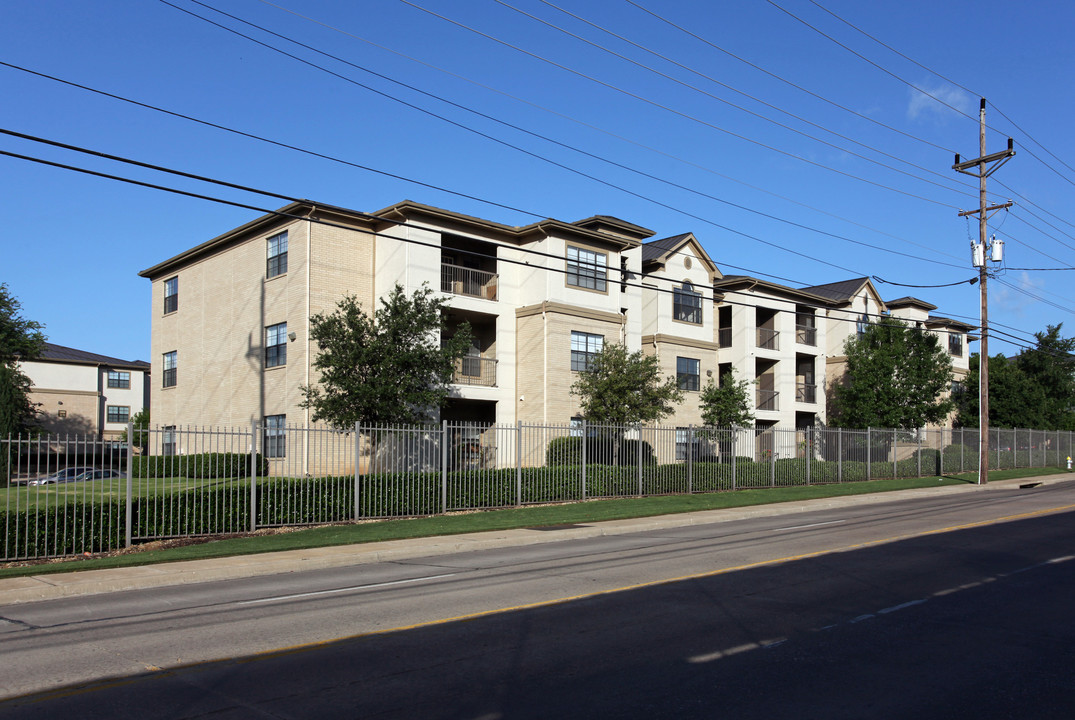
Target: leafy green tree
<point x="20" y="339"/>
<point x="727" y="404"/>
<point x="625" y="388"/>
<point x="140" y="423"/>
<point x="393" y="367"/>
<point x="897" y="376"/>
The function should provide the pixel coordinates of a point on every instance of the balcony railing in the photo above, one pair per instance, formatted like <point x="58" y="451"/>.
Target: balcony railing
<point x="806" y="334"/>
<point x="805" y="392"/>
<point x="471" y="370"/>
<point x="724" y="337"/>
<point x="768" y="339"/>
<point x="465" y="281"/>
<point x="767" y="399"/>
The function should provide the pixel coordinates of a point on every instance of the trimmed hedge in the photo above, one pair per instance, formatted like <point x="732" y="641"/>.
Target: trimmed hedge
<point x="201" y="465"/>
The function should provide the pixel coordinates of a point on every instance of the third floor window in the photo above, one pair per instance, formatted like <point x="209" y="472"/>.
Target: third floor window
<point x="276" y="264"/>
<point x="687" y="304"/>
<point x="171" y="295"/>
<point x="587" y="269"/>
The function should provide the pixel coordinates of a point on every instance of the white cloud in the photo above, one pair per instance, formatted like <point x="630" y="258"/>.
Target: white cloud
<point x="937" y="102"/>
<point x="1015" y="302"/>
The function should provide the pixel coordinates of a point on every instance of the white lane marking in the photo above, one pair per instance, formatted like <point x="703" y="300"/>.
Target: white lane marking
<point x="346" y="589"/>
<point x="860" y="618"/>
<point x="894" y="608"/>
<point x="800" y="527"/>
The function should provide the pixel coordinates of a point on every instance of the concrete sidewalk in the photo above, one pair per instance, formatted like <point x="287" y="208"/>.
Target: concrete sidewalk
<point x="60" y="585"/>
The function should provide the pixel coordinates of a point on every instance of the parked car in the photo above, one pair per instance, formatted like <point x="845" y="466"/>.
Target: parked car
<point x="62" y="476"/>
<point x="97" y="475"/>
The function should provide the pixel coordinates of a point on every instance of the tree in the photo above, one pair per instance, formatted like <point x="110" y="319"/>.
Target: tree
<point x="392" y="368"/>
<point x="897" y="376"/>
<point x="140" y="423"/>
<point x="727" y="404"/>
<point x="625" y="388"/>
<point x="20" y="339"/>
<point x="1035" y="389"/>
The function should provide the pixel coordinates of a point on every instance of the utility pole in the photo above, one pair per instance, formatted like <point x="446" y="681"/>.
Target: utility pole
<point x="985" y="165"/>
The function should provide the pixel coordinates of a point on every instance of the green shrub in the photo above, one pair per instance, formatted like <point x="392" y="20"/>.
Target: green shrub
<point x="201" y="465"/>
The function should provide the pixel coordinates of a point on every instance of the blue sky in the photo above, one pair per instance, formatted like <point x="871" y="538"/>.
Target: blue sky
<point x="794" y="146"/>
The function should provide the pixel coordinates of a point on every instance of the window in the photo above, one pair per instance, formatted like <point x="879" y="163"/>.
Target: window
<point x="587" y="269"/>
<point x="118" y="379"/>
<point x="171" y="295"/>
<point x="168" y="440"/>
<point x="687" y="304"/>
<point x="118" y="414"/>
<point x="688" y="373"/>
<point x="955" y="344"/>
<point x="686" y="441"/>
<point x="583" y="347"/>
<point x="276" y="345"/>
<point x="275" y="445"/>
<point x="276" y="264"/>
<point x="169" y="369"/>
<point x="724" y="326"/>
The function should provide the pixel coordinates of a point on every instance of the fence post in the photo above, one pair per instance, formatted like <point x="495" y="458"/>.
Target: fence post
<point x="735" y="452"/>
<point x="772" y="460"/>
<point x="443" y="466"/>
<point x="128" y="504"/>
<point x="585" y="437"/>
<point x="253" y="475"/>
<point x="690" y="459"/>
<point x="839" y="454"/>
<point x="895" y="467"/>
<point x="518" y="463"/>
<point x="869" y="448"/>
<point x="639" y="461"/>
<point x="808" y="454"/>
<point x="358" y="460"/>
<point x="918" y="453"/>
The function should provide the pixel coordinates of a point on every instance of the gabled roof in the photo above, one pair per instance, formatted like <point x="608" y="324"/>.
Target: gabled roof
<point x="909" y="302"/>
<point x="658" y="252"/>
<point x="841" y="291"/>
<point x="59" y="353"/>
<point x="747" y="282"/>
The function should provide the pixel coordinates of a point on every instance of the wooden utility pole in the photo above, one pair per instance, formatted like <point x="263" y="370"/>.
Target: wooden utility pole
<point x="985" y="165"/>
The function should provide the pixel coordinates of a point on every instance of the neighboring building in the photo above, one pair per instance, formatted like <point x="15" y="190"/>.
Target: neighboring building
<point x="83" y="394"/>
<point x="231" y="343"/>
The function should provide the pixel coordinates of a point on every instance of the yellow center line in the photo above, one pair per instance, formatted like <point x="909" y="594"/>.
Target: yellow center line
<point x="304" y="647"/>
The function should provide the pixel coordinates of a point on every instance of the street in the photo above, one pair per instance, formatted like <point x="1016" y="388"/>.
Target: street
<point x="954" y="606"/>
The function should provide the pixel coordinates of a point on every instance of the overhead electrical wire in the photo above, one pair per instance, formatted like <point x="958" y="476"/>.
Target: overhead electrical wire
<point x="927" y="69"/>
<point x="854" y="316"/>
<point x="606" y="132"/>
<point x="672" y="110"/>
<point x="947" y="178"/>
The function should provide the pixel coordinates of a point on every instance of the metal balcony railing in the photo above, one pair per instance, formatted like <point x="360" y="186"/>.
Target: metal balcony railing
<point x="465" y="281"/>
<point x="768" y="339"/>
<point x="806" y="334"/>
<point x="475" y="371"/>
<point x="805" y="392"/>
<point x="724" y="337"/>
<point x="767" y="399"/>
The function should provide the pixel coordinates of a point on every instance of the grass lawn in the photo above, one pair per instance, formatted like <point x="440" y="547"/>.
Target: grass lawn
<point x="581" y="512"/>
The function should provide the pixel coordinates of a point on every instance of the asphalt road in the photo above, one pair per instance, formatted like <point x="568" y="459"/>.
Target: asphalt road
<point x="953" y="606"/>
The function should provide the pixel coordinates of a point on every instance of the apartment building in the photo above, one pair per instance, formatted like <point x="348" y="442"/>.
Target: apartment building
<point x="231" y="331"/>
<point x="84" y="394"/>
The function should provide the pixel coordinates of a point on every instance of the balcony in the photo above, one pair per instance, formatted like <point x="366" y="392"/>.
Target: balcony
<point x="459" y="280"/>
<point x="806" y="335"/>
<point x="805" y="392"/>
<point x="472" y="370"/>
<point x="767" y="399"/>
<point x="724" y="337"/>
<point x="768" y="339"/>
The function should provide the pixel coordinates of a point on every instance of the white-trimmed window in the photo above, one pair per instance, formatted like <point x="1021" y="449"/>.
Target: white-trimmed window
<point x="168" y="440"/>
<point x="118" y="413"/>
<point x="587" y="268"/>
<point x="275" y="445"/>
<point x="276" y="345"/>
<point x="170" y="363"/>
<point x="583" y="348"/>
<point x="955" y="344"/>
<point x="119" y="379"/>
<point x="687" y="304"/>
<point x="171" y="295"/>
<point x="688" y="373"/>
<point x="276" y="262"/>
